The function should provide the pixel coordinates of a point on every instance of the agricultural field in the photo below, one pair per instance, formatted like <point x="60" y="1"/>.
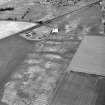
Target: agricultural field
<point x="34" y="64"/>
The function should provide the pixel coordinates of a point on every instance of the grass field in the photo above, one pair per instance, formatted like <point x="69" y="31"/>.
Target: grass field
<point x="12" y="52"/>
